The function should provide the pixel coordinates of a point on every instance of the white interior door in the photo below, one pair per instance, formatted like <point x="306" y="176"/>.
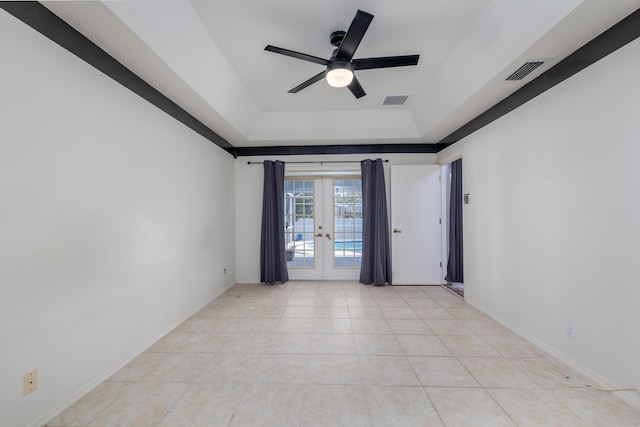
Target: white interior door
<point x="416" y="242"/>
<point x="323" y="227"/>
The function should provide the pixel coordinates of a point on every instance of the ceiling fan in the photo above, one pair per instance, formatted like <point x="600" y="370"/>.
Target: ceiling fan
<point x="340" y="67"/>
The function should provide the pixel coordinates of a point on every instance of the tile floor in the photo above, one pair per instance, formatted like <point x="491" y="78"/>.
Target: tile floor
<point x="341" y="354"/>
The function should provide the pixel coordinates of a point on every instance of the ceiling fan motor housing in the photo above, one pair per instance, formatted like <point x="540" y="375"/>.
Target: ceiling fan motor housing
<point x="336" y="38"/>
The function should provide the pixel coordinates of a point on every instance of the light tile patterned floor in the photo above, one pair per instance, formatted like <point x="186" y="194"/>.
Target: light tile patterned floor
<point x="341" y="354"/>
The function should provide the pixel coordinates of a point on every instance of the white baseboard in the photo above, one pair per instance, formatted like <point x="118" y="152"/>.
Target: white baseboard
<point x="629" y="397"/>
<point x="51" y="414"/>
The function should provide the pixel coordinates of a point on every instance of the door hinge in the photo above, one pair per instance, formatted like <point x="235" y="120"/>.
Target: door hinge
<point x="440" y="221"/>
<point x="440" y="264"/>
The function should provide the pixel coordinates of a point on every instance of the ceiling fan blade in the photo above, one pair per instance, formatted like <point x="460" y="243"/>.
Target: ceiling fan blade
<point x="354" y="35"/>
<point x="308" y="83"/>
<point x="356" y="89"/>
<point x="385" y="62"/>
<point x="297" y="55"/>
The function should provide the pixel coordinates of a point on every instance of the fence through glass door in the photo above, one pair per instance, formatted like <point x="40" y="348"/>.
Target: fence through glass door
<point x="323" y="227"/>
<point x="299" y="222"/>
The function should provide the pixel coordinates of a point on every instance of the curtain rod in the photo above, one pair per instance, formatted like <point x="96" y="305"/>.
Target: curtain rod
<point x="318" y="161"/>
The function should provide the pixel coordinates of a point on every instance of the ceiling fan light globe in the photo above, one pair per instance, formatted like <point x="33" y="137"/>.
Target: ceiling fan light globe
<point x="339" y="77"/>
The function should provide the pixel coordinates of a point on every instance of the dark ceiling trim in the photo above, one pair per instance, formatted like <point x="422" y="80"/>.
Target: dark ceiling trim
<point x="48" y="24"/>
<point x="290" y="150"/>
<point x="609" y="41"/>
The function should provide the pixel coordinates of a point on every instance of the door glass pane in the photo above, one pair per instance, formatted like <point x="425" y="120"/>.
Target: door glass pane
<point x="299" y="218"/>
<point x="347" y="223"/>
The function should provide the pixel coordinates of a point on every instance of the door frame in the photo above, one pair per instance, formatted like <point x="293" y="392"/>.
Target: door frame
<point x="445" y="181"/>
<point x="445" y="164"/>
<point x="324" y="268"/>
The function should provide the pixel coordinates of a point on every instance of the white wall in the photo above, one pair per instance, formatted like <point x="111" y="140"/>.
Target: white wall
<point x="553" y="229"/>
<point x="116" y="223"/>
<point x="249" y="181"/>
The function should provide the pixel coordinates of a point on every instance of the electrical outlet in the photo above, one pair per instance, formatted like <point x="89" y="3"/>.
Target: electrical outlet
<point x="29" y="382"/>
<point x="571" y="330"/>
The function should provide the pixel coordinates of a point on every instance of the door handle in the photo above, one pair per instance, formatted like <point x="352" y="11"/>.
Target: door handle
<point x="328" y="236"/>
<point x="395" y="230"/>
<point x="319" y="235"/>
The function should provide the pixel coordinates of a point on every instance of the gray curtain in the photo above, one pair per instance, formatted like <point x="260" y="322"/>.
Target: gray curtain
<point x="273" y="266"/>
<point x="376" y="256"/>
<point x="455" y="272"/>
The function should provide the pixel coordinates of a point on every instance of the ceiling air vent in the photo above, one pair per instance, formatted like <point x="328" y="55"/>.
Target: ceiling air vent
<point x="525" y="70"/>
<point x="395" y="99"/>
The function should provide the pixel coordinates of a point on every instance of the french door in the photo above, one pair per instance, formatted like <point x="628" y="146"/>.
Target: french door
<point x="323" y="227"/>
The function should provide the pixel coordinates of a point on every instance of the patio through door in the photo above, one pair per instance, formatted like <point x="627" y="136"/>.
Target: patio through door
<point x="323" y="227"/>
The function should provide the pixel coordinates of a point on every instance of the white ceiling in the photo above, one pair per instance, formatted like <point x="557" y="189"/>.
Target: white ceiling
<point x="208" y="56"/>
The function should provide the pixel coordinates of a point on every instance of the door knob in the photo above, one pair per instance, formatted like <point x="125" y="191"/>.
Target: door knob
<point x="395" y="230"/>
